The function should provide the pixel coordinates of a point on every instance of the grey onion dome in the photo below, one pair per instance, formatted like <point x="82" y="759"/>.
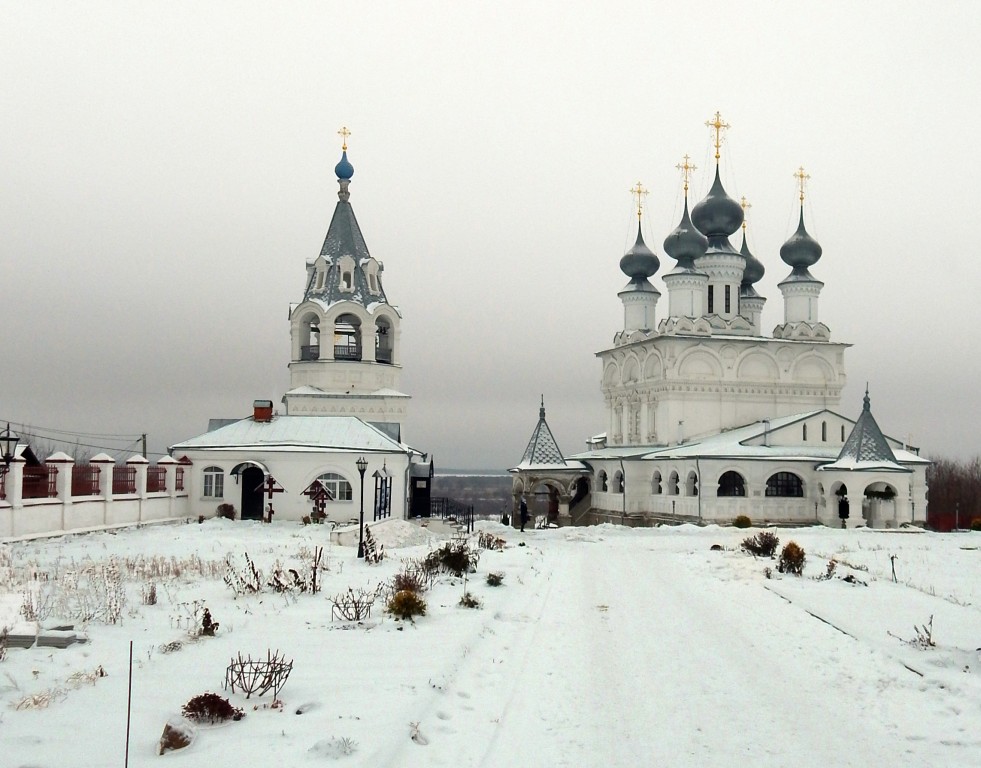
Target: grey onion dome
<point x="801" y="250"/>
<point x="718" y="215"/>
<point x="754" y="270"/>
<point x="685" y="243"/>
<point x="639" y="262"/>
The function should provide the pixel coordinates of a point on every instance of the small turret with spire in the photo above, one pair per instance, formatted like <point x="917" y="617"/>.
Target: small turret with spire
<point x="685" y="283"/>
<point x="639" y="297"/>
<point x="800" y="289"/>
<point x="750" y="302"/>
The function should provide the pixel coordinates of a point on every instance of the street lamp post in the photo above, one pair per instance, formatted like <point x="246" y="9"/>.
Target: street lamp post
<point x="8" y="445"/>
<point x="362" y="466"/>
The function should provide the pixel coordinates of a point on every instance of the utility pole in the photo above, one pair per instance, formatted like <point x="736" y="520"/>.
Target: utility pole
<point x="143" y="438"/>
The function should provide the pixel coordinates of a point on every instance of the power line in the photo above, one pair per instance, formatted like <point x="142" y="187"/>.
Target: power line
<point x="33" y="429"/>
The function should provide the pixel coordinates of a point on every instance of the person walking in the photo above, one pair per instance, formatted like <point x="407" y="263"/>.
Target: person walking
<point x="523" y="508"/>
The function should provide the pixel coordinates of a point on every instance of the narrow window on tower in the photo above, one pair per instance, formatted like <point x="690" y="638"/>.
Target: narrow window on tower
<point x="711" y="299"/>
<point x="727" y="299"/>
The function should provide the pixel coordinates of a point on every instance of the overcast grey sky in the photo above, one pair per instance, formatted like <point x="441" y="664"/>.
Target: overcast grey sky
<point x="167" y="168"/>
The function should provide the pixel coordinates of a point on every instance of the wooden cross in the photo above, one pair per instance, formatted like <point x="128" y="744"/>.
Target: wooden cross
<point x="802" y="181"/>
<point x="344" y="133"/>
<point x="718" y="125"/>
<point x="744" y="204"/>
<point x="269" y="487"/>
<point x="640" y="193"/>
<point x="686" y="168"/>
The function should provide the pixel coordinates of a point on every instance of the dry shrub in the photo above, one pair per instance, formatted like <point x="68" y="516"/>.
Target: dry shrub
<point x="792" y="559"/>
<point x="742" y="521"/>
<point x="469" y="601"/>
<point x="211" y="708"/>
<point x="763" y="544"/>
<point x="495" y="579"/>
<point x="409" y="579"/>
<point x="226" y="511"/>
<point x="406" y="604"/>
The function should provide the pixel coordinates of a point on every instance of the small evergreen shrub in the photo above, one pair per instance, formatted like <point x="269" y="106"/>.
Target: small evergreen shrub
<point x="211" y="708"/>
<point x="406" y="604"/>
<point x="495" y="579"/>
<point x="226" y="511"/>
<point x="454" y="557"/>
<point x="792" y="559"/>
<point x="742" y="521"/>
<point x="208" y="625"/>
<point x="976" y="524"/>
<point x="763" y="544"/>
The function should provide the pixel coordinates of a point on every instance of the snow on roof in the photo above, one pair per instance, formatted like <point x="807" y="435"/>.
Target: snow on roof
<point x="296" y="433"/>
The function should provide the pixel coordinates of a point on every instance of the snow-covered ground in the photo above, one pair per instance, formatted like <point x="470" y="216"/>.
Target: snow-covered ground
<point x="604" y="646"/>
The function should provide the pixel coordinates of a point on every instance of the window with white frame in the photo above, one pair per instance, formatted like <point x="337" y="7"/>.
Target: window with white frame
<point x="214" y="483"/>
<point x="338" y="488"/>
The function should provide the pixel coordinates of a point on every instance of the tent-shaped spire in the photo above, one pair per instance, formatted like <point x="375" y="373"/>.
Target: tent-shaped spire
<point x="542" y="449"/>
<point x="866" y="446"/>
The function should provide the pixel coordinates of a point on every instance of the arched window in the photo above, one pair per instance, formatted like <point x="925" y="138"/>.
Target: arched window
<point x="346" y="281"/>
<point x="656" y="483"/>
<point x="214" y="483"/>
<point x="347" y="338"/>
<point x="691" y="485"/>
<point x="673" y="484"/>
<point x="805" y="432"/>
<point x="824" y="431"/>
<point x="732" y="484"/>
<point x="601" y="481"/>
<point x="785" y="484"/>
<point x="383" y="341"/>
<point x="618" y="482"/>
<point x="338" y="488"/>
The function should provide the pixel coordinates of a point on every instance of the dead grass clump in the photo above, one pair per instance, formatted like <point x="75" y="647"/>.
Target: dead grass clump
<point x="211" y="708"/>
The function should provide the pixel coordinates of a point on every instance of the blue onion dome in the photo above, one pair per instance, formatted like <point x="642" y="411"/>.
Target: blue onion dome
<point x="639" y="262"/>
<point x="344" y="169"/>
<point x="718" y="215"/>
<point x="685" y="243"/>
<point x="754" y="269"/>
<point x="801" y="250"/>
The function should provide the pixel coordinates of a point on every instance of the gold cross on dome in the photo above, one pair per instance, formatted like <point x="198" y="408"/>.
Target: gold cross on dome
<point x="686" y="168"/>
<point x="639" y="193"/>
<point x="802" y="178"/>
<point x="718" y="125"/>
<point x="344" y="133"/>
<point x="744" y="204"/>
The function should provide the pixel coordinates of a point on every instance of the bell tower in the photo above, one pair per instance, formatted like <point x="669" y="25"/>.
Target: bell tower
<point x="345" y="352"/>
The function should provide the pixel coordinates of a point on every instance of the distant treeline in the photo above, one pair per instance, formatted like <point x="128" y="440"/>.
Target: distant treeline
<point x="489" y="494"/>
<point x="954" y="493"/>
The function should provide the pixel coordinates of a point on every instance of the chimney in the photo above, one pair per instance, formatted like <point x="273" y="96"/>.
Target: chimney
<point x="262" y="410"/>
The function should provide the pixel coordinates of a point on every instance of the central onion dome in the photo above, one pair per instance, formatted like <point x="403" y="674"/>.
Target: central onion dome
<point x="801" y="250"/>
<point x="344" y="169"/>
<point x="639" y="262"/>
<point x="718" y="215"/>
<point x="685" y="243"/>
<point x="753" y="272"/>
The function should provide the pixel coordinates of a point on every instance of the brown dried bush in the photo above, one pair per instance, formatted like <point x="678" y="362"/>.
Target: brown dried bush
<point x="406" y="605"/>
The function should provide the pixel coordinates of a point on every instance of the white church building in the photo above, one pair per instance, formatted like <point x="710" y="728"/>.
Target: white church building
<point x="344" y="404"/>
<point x="707" y="417"/>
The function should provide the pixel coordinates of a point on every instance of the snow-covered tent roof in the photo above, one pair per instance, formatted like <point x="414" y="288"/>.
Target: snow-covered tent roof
<point x="866" y="448"/>
<point x="542" y="451"/>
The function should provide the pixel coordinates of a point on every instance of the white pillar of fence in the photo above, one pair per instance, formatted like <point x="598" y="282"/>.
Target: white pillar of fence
<point x="169" y="463"/>
<point x="63" y="464"/>
<point x="105" y="463"/>
<point x="141" y="465"/>
<point x="15" y="483"/>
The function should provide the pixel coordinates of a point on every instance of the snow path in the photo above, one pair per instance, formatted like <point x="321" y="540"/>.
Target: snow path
<point x="612" y="655"/>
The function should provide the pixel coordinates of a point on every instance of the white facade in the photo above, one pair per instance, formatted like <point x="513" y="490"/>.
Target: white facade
<point x="708" y="419"/>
